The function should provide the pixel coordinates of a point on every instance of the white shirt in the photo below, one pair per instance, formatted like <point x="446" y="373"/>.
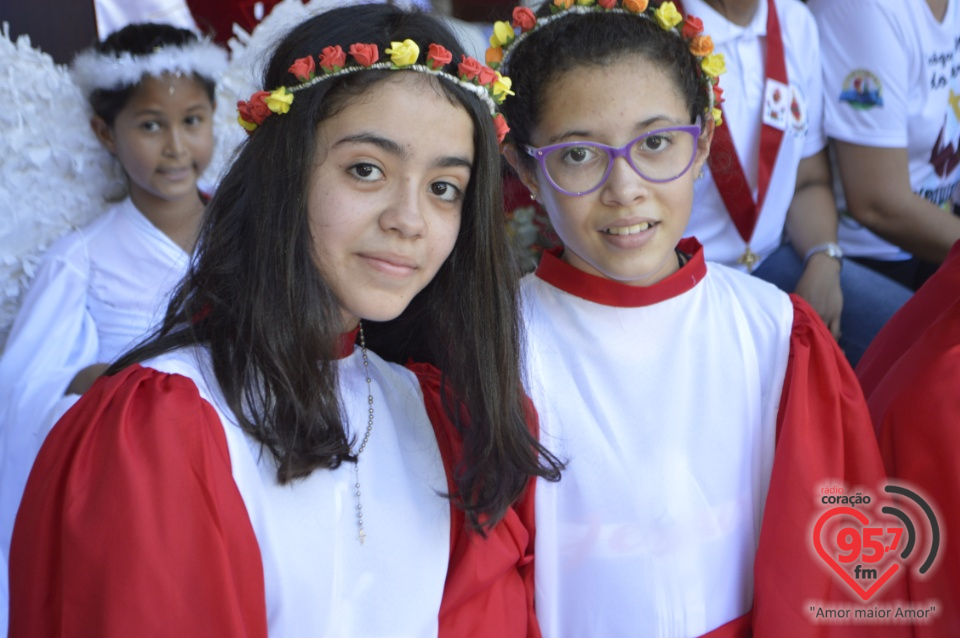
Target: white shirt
<point x="318" y="578"/>
<point x="892" y="77"/>
<point x="666" y="415"/>
<point x="744" y="50"/>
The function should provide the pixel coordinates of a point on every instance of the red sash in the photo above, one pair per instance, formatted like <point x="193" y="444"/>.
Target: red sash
<point x="724" y="163"/>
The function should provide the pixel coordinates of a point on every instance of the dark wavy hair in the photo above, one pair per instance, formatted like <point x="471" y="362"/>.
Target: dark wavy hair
<point x="593" y="39"/>
<point x="139" y="39"/>
<point x="255" y="298"/>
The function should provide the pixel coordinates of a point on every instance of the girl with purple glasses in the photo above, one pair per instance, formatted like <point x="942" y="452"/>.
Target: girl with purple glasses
<point x="699" y="410"/>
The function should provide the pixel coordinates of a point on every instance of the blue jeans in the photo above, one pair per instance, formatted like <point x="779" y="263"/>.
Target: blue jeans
<point x="869" y="298"/>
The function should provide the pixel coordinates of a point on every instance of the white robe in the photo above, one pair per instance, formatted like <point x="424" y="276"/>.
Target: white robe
<point x="664" y="406"/>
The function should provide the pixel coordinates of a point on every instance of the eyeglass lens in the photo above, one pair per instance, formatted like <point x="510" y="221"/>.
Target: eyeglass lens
<point x="657" y="156"/>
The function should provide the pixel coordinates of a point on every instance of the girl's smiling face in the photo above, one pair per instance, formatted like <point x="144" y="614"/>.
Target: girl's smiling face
<point x="627" y="229"/>
<point x="386" y="194"/>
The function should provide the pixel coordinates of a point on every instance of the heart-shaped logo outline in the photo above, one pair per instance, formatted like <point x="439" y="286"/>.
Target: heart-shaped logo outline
<point x="865" y="594"/>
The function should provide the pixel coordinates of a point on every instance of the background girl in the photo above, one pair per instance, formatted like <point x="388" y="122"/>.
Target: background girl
<point x="699" y="409"/>
<point x="100" y="289"/>
<point x="259" y="472"/>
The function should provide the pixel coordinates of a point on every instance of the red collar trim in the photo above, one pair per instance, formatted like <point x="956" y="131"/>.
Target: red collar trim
<point x="608" y="292"/>
<point x="347" y="341"/>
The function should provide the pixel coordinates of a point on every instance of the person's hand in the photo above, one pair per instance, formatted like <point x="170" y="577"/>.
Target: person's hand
<point x="820" y="287"/>
<point x="84" y="379"/>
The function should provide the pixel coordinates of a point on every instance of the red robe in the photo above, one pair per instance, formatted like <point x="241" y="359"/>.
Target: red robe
<point x="911" y="375"/>
<point x="134" y="485"/>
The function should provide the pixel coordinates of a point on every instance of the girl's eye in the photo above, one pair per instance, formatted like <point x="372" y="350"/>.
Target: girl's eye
<point x="365" y="172"/>
<point x="445" y="191"/>
<point x="150" y="127"/>
<point x="654" y="142"/>
<point x="579" y="155"/>
<point x="193" y="120"/>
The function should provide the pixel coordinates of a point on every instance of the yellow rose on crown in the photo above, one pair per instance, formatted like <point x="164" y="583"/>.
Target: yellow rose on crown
<point x="279" y="101"/>
<point x="714" y="65"/>
<point x="502" y="34"/>
<point x="586" y="3"/>
<point x="667" y="15"/>
<point x="403" y="53"/>
<point x="501" y="88"/>
<point x="717" y="116"/>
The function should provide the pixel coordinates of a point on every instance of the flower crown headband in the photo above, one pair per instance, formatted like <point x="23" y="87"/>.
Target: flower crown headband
<point x="505" y="40"/>
<point x="487" y="84"/>
<point x="93" y="70"/>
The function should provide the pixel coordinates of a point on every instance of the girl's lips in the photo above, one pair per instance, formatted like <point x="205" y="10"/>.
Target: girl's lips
<point x="390" y="264"/>
<point x="629" y="237"/>
<point x="176" y="174"/>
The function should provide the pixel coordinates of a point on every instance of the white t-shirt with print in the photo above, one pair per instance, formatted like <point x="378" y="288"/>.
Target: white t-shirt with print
<point x="892" y="80"/>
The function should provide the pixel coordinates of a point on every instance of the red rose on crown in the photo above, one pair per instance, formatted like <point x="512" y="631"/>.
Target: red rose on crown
<point x="438" y="57"/>
<point x="487" y="76"/>
<point x="303" y="68"/>
<point x="255" y="110"/>
<point x="365" y="54"/>
<point x="607" y="4"/>
<point x="500" y="126"/>
<point x="717" y="95"/>
<point x="332" y="59"/>
<point x="692" y="26"/>
<point x="524" y="19"/>
<point x="469" y="69"/>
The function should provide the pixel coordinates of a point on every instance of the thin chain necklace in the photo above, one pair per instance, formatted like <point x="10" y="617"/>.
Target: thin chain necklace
<point x="366" y="435"/>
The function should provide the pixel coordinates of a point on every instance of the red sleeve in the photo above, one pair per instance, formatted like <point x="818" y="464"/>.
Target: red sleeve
<point x="906" y="326"/>
<point x="824" y="435"/>
<point x="916" y="407"/>
<point x="131" y="523"/>
<point x="489" y="587"/>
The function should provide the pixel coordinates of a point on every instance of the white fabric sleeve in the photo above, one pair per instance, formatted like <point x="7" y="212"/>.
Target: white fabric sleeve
<point x="856" y="35"/>
<point x="816" y="138"/>
<point x="52" y="339"/>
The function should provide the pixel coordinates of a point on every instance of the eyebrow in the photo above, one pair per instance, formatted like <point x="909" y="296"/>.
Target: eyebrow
<point x="388" y="145"/>
<point x="159" y="112"/>
<point x="668" y="121"/>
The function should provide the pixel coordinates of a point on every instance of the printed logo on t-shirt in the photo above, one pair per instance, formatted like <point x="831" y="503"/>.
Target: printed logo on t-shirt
<point x="862" y="90"/>
<point x="798" y="111"/>
<point x="776" y="104"/>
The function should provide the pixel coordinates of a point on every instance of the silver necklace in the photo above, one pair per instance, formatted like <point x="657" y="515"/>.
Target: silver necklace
<point x="366" y="435"/>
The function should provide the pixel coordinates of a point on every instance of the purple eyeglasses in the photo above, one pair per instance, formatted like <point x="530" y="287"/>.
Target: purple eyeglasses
<point x="578" y="168"/>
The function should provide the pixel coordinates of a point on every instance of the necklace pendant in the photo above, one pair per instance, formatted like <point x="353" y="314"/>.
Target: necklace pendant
<point x="362" y="536"/>
<point x="748" y="259"/>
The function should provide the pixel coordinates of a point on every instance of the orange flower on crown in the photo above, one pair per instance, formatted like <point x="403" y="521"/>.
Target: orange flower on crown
<point x="636" y="6"/>
<point x="494" y="56"/>
<point x="563" y="4"/>
<point x="701" y="45"/>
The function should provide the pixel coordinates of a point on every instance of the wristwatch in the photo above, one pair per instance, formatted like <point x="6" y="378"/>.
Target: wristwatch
<point x="832" y="249"/>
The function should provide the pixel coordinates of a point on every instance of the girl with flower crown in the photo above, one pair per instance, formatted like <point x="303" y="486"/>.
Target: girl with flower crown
<point x="263" y="463"/>
<point x="102" y="288"/>
<point x="699" y="410"/>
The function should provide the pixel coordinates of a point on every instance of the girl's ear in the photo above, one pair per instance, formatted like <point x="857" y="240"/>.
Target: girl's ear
<point x="104" y="133"/>
<point x="703" y="146"/>
<point x="527" y="175"/>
